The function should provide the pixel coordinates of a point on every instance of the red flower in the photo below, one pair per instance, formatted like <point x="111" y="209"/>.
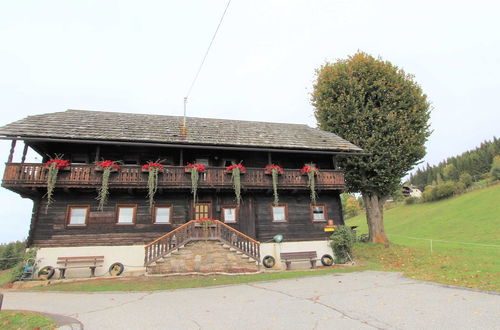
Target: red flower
<point x="108" y="163"/>
<point x="205" y="220"/>
<point x="269" y="169"/>
<point x="242" y="168"/>
<point x="60" y="163"/>
<point x="150" y="166"/>
<point x="309" y="169"/>
<point x="198" y="167"/>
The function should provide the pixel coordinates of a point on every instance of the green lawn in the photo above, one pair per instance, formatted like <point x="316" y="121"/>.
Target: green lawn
<point x="470" y="218"/>
<point x="189" y="281"/>
<point x="5" y="277"/>
<point x="25" y="320"/>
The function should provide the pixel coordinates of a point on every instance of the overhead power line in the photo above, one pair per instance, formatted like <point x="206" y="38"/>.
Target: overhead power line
<point x="203" y="61"/>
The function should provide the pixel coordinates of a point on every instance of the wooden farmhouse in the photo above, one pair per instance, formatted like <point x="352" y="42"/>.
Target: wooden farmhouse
<point x="162" y="233"/>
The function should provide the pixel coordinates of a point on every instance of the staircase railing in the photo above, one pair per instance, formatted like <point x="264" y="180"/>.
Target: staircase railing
<point x="194" y="231"/>
<point x="169" y="242"/>
<point x="238" y="241"/>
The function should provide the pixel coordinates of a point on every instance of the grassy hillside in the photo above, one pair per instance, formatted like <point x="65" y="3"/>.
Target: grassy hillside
<point x="473" y="217"/>
<point x="465" y="234"/>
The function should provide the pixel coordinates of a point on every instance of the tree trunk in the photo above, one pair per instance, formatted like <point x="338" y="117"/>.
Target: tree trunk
<point x="374" y="206"/>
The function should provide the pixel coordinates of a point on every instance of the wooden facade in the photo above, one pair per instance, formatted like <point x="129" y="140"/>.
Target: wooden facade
<point x="76" y="186"/>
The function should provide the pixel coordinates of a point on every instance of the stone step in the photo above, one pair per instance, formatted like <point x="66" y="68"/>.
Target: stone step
<point x="204" y="256"/>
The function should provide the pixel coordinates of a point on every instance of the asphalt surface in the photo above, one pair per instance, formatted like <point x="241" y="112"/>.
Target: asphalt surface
<point x="363" y="300"/>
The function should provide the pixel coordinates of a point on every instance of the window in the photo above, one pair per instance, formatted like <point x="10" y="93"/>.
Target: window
<point x="280" y="212"/>
<point x="318" y="212"/>
<point x="230" y="214"/>
<point x="77" y="216"/>
<point x="126" y="214"/>
<point x="163" y="214"/>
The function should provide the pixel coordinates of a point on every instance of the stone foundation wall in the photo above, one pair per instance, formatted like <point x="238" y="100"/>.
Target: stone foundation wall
<point x="204" y="257"/>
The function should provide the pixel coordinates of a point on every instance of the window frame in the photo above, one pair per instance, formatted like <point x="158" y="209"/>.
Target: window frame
<point x="236" y="214"/>
<point x="170" y="216"/>
<point x="134" y="214"/>
<point x="312" y="206"/>
<point x="68" y="215"/>
<point x="286" y="212"/>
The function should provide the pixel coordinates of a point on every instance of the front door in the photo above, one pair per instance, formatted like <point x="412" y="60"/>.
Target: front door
<point x="202" y="210"/>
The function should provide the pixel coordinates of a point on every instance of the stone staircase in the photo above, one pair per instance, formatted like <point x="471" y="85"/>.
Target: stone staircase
<point x="204" y="256"/>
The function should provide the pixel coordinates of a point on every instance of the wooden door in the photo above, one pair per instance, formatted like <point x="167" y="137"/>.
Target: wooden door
<point x="202" y="209"/>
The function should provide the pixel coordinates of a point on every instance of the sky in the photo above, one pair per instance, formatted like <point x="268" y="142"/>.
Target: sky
<point x="141" y="57"/>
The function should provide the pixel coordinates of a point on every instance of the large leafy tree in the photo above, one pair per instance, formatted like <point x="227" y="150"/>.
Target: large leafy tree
<point x="380" y="108"/>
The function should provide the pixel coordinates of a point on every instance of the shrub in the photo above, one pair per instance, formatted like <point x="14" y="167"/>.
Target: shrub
<point x="466" y="179"/>
<point x="495" y="168"/>
<point x="445" y="190"/>
<point x="412" y="200"/>
<point x="429" y="193"/>
<point x="343" y="239"/>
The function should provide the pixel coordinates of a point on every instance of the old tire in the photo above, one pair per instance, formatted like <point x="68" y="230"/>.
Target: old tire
<point x="327" y="260"/>
<point x="116" y="269"/>
<point x="269" y="261"/>
<point x="46" y="273"/>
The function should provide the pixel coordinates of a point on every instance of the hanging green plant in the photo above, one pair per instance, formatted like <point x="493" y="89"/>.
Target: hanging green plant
<point x="236" y="171"/>
<point x="106" y="166"/>
<point x="53" y="165"/>
<point x="311" y="171"/>
<point x="274" y="171"/>
<point x="153" y="169"/>
<point x="195" y="170"/>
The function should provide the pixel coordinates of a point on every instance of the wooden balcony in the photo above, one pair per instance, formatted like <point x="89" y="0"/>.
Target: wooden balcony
<point x="17" y="177"/>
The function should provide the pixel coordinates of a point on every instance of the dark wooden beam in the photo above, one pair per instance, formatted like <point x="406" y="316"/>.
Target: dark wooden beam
<point x="12" y="149"/>
<point x="97" y="153"/>
<point x="25" y="151"/>
<point x="334" y="162"/>
<point x="269" y="158"/>
<point x="181" y="157"/>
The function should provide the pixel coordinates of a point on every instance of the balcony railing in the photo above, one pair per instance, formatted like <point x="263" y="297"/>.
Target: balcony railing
<point x="131" y="176"/>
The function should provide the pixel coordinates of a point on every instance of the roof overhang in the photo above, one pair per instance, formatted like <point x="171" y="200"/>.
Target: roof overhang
<point x="185" y="145"/>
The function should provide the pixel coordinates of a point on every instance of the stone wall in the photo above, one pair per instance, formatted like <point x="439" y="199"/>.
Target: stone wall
<point x="204" y="257"/>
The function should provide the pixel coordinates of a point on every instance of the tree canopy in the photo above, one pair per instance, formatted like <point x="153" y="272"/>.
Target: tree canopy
<point x="380" y="108"/>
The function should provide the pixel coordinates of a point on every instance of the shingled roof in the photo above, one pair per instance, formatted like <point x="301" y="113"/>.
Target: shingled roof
<point x="114" y="126"/>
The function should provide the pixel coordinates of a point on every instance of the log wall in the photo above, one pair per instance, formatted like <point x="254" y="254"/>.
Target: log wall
<point x="49" y="227"/>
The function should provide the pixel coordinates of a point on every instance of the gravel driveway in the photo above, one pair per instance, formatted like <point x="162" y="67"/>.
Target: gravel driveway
<point x="363" y="300"/>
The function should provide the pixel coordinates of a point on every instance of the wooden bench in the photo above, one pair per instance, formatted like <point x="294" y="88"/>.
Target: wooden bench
<point x="91" y="262"/>
<point x="310" y="256"/>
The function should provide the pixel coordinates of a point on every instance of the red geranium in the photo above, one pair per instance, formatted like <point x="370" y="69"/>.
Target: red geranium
<point x="108" y="163"/>
<point x="205" y="220"/>
<point x="60" y="163"/>
<point x="269" y="169"/>
<point x="198" y="167"/>
<point x="151" y="165"/>
<point x="242" y="168"/>
<point x="309" y="169"/>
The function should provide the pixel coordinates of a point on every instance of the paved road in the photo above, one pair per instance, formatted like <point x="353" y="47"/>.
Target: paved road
<point x="363" y="300"/>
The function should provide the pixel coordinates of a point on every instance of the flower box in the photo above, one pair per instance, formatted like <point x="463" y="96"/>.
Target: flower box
<point x="199" y="167"/>
<point x="308" y="169"/>
<point x="269" y="169"/>
<point x="229" y="169"/>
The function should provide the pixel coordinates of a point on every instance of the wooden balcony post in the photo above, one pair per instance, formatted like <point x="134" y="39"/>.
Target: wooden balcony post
<point x="12" y="148"/>
<point x="25" y="151"/>
<point x="97" y="153"/>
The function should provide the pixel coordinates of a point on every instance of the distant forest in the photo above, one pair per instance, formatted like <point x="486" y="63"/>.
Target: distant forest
<point x="475" y="162"/>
